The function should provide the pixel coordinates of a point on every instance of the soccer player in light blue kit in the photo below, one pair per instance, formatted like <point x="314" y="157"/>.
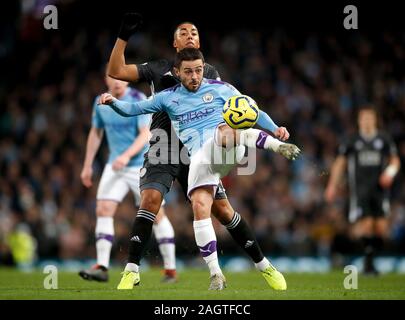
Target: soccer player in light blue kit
<point x="127" y="142"/>
<point x="195" y="108"/>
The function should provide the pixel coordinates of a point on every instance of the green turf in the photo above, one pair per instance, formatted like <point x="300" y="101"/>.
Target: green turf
<point x="193" y="284"/>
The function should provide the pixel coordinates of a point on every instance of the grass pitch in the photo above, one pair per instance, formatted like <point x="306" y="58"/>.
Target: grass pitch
<point x="193" y="285"/>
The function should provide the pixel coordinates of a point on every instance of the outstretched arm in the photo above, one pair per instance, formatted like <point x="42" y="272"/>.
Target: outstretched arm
<point x="267" y="123"/>
<point x="131" y="109"/>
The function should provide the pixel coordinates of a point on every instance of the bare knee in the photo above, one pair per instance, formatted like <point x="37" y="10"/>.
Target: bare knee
<point x="106" y="208"/>
<point x="226" y="136"/>
<point x="201" y="201"/>
<point x="151" y="200"/>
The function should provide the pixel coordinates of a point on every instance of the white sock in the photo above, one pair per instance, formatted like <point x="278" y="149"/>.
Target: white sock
<point x="104" y="239"/>
<point x="259" y="139"/>
<point x="263" y="265"/>
<point x="207" y="243"/>
<point x="133" y="267"/>
<point x="164" y="234"/>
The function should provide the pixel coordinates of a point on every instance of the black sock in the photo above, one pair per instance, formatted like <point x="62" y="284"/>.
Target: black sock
<point x="140" y="235"/>
<point x="244" y="237"/>
<point x="369" y="250"/>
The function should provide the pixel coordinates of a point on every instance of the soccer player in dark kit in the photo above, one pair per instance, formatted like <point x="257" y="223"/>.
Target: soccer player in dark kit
<point x="372" y="162"/>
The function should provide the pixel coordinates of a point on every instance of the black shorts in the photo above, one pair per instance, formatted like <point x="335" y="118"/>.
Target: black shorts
<point x="369" y="204"/>
<point x="161" y="177"/>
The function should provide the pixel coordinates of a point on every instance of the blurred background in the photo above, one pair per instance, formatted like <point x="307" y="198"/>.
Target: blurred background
<point x="299" y="63"/>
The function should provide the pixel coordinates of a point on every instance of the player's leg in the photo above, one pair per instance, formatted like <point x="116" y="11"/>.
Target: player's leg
<point x="162" y="228"/>
<point x="155" y="182"/>
<point x="255" y="138"/>
<point x="365" y="227"/>
<point x="201" y="201"/>
<point x="202" y="183"/>
<point x="245" y="238"/>
<point x="164" y="234"/>
<point x="111" y="190"/>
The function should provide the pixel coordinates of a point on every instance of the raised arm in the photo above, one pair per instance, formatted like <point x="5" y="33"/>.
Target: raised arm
<point x="117" y="67"/>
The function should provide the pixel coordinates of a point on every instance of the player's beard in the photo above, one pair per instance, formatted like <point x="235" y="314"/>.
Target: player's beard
<point x="194" y="86"/>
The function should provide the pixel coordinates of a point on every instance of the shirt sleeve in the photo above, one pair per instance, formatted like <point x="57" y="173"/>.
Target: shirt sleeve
<point x="392" y="148"/>
<point x="147" y="70"/>
<point x="211" y="73"/>
<point x="131" y="109"/>
<point x="144" y="121"/>
<point x="266" y="122"/>
<point x="96" y="120"/>
<point x="345" y="147"/>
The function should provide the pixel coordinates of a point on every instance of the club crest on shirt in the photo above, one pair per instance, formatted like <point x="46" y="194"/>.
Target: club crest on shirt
<point x="378" y="144"/>
<point x="207" y="98"/>
<point x="142" y="172"/>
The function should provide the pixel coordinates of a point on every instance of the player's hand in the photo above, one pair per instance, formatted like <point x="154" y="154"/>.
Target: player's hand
<point x="105" y="98"/>
<point x="330" y="193"/>
<point x="85" y="176"/>
<point x="386" y="180"/>
<point x="282" y="133"/>
<point x="130" y="23"/>
<point x="120" y="162"/>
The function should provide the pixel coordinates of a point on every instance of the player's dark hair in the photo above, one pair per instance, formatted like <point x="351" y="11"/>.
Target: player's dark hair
<point x="187" y="54"/>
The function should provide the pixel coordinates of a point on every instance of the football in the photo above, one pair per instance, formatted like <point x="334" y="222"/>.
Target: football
<point x="240" y="112"/>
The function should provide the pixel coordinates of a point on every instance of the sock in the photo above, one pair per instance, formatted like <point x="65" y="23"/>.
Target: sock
<point x="259" y="139"/>
<point x="368" y="248"/>
<point x="263" y="264"/>
<point x="104" y="240"/>
<point x="244" y="237"/>
<point x="140" y="235"/>
<point x="164" y="234"/>
<point x="132" y="267"/>
<point x="207" y="243"/>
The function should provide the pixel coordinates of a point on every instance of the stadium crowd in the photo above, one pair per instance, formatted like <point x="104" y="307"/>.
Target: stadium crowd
<point x="311" y="83"/>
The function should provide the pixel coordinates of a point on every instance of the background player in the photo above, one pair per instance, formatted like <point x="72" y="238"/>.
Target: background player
<point x="127" y="142"/>
<point x="372" y="162"/>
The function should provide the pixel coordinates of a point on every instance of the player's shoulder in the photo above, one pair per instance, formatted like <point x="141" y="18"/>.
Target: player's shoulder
<point x="220" y="85"/>
<point x="170" y="90"/>
<point x="349" y="139"/>
<point x="382" y="134"/>
<point x="210" y="71"/>
<point x="136" y="94"/>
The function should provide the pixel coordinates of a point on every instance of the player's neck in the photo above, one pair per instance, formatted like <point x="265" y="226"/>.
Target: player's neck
<point x="119" y="96"/>
<point x="368" y="135"/>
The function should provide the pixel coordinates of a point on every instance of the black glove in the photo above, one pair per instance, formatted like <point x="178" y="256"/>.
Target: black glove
<point x="130" y="23"/>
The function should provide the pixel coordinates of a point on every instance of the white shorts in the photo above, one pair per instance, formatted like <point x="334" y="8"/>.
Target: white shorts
<point x="114" y="185"/>
<point x="211" y="163"/>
